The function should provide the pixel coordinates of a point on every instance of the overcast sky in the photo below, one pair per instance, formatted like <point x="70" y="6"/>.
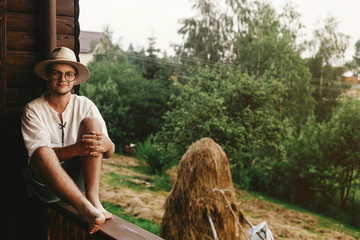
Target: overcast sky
<point x="133" y="21"/>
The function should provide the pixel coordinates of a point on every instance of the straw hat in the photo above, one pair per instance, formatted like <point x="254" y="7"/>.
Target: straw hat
<point x="63" y="55"/>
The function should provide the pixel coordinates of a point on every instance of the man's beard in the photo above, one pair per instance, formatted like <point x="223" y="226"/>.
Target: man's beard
<point x="57" y="93"/>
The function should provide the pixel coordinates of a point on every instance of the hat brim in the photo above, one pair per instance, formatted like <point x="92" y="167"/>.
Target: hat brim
<point x="83" y="71"/>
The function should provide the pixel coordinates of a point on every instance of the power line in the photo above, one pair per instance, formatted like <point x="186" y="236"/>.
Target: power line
<point x="186" y="66"/>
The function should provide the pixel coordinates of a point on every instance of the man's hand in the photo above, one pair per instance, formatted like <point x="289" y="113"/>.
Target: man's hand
<point x="92" y="144"/>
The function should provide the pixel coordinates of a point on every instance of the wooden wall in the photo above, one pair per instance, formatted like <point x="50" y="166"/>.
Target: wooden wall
<point x="22" y="41"/>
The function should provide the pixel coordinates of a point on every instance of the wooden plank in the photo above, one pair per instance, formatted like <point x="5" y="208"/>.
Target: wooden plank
<point x="20" y="70"/>
<point x="65" y="25"/>
<point x="24" y="6"/>
<point x="21" y="22"/>
<point x="119" y="227"/>
<point x="113" y="229"/>
<point x="24" y="41"/>
<point x="65" y="8"/>
<point x="66" y="41"/>
<point x="22" y="78"/>
<point x="17" y="60"/>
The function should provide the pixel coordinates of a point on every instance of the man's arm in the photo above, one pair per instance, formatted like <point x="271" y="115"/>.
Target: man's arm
<point x="90" y="145"/>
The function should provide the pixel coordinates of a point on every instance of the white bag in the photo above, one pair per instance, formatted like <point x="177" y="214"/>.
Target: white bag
<point x="264" y="231"/>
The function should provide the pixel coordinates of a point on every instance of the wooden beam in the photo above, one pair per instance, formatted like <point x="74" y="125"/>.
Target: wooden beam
<point x="21" y="22"/>
<point x="25" y="41"/>
<point x="65" y="8"/>
<point x="65" y="25"/>
<point x="3" y="9"/>
<point x="24" y="6"/>
<point x="66" y="40"/>
<point x="49" y="27"/>
<point x="65" y="223"/>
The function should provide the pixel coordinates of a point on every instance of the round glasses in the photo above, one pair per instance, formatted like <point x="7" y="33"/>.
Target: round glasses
<point x="69" y="76"/>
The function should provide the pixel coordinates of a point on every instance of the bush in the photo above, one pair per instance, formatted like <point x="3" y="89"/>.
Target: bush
<point x="131" y="105"/>
<point x="236" y="111"/>
<point x="152" y="155"/>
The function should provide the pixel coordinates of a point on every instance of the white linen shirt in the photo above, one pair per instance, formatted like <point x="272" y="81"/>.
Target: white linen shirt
<point x="41" y="126"/>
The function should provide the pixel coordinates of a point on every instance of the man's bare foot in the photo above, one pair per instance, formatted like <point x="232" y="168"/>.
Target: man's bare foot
<point x="97" y="204"/>
<point x="107" y="214"/>
<point x="93" y="217"/>
<point x="97" y="223"/>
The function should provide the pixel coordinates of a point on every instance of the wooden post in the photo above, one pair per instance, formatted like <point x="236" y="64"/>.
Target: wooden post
<point x="49" y="27"/>
<point x="48" y="31"/>
<point x="2" y="60"/>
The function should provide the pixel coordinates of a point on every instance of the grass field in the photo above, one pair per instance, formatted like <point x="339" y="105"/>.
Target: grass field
<point x="138" y="198"/>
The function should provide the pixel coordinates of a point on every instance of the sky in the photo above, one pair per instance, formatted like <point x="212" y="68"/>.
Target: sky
<point x="134" y="21"/>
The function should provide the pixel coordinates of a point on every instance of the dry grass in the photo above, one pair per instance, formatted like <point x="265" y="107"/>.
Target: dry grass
<point x="203" y="168"/>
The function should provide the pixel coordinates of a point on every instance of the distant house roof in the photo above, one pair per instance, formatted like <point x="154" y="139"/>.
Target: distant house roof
<point x="86" y="37"/>
<point x="353" y="80"/>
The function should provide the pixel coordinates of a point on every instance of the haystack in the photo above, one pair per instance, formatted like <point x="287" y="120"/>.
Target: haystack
<point x="203" y="171"/>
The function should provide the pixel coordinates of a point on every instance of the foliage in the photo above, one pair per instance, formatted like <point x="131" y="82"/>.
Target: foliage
<point x="354" y="65"/>
<point x="268" y="46"/>
<point x="251" y="35"/>
<point x="150" y="65"/>
<point x="105" y="48"/>
<point x="341" y="139"/>
<point x="153" y="156"/>
<point x="131" y="105"/>
<point x="329" y="46"/>
<point x="206" y="37"/>
<point x="323" y="161"/>
<point x="233" y="109"/>
<point x="303" y="152"/>
<point x="251" y="92"/>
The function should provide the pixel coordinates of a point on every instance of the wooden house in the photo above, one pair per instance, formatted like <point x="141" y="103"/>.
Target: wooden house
<point x="29" y="30"/>
<point x="87" y="39"/>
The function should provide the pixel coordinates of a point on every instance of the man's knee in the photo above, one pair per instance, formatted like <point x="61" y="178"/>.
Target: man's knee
<point x="41" y="157"/>
<point x="41" y="153"/>
<point x="90" y="124"/>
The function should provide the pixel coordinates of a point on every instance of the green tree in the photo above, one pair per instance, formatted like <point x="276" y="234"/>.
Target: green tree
<point x="253" y="36"/>
<point x="354" y="65"/>
<point x="324" y="158"/>
<point x="268" y="46"/>
<point x="105" y="47"/>
<point x="207" y="37"/>
<point x="341" y="140"/>
<point x="131" y="105"/>
<point x="233" y="109"/>
<point x="301" y="168"/>
<point x="151" y="66"/>
<point x="254" y="46"/>
<point x="329" y="46"/>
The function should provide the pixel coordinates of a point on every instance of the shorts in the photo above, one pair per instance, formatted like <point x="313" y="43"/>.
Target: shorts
<point x="40" y="192"/>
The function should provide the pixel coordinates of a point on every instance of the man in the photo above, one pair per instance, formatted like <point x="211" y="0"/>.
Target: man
<point x="66" y="139"/>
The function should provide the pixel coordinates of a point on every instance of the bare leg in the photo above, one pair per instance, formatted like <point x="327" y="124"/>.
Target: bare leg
<point x="46" y="167"/>
<point x="92" y="167"/>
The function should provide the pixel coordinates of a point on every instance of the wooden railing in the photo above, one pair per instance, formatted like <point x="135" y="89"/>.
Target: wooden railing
<point x="64" y="223"/>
